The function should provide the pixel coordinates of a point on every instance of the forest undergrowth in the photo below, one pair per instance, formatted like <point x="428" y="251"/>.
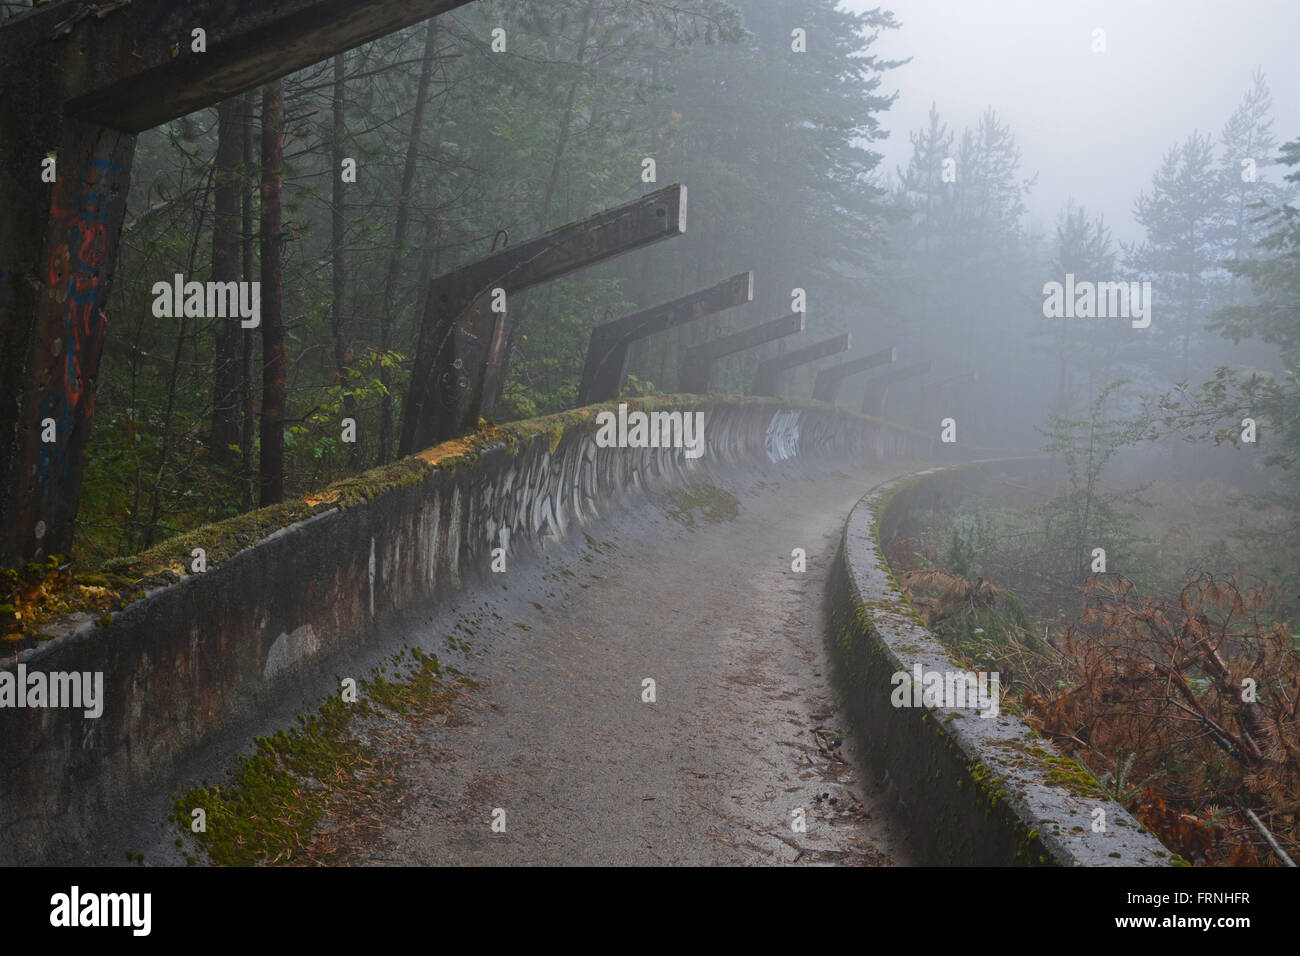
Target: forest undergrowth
<point x="1179" y="692"/>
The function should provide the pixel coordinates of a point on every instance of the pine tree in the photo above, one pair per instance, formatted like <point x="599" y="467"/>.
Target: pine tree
<point x="1248" y="144"/>
<point x="1181" y="215"/>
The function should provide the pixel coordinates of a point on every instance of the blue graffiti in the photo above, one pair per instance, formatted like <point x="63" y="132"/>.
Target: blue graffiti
<point x="55" y="406"/>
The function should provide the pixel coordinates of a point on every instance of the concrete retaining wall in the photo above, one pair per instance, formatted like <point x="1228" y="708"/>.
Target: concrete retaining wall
<point x="195" y="653"/>
<point x="975" y="790"/>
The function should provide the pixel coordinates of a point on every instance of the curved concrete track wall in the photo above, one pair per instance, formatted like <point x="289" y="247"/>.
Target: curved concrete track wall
<point x="297" y="583"/>
<point x="973" y="789"/>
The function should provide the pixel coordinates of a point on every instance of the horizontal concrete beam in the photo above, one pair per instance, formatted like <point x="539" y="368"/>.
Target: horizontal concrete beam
<point x="697" y="361"/>
<point x="947" y="383"/>
<point x="873" y="395"/>
<point x="130" y="64"/>
<point x="914" y="370"/>
<point x="827" y="384"/>
<point x="602" y="376"/>
<point x="461" y="337"/>
<point x="765" y="379"/>
<point x="78" y="80"/>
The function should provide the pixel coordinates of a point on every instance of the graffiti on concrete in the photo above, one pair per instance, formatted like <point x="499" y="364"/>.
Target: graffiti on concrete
<point x="79" y="211"/>
<point x="782" y="439"/>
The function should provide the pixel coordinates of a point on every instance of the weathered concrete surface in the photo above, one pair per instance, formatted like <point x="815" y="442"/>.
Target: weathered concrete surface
<point x="130" y="65"/>
<point x="769" y="370"/>
<point x="826" y="386"/>
<point x="974" y="790"/>
<point x="697" y="361"/>
<point x="460" y="353"/>
<point x="195" y="656"/>
<point x="606" y="363"/>
<point x="558" y="736"/>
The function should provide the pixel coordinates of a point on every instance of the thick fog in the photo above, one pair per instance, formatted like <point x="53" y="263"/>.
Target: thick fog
<point x="982" y="315"/>
<point x="1093" y="126"/>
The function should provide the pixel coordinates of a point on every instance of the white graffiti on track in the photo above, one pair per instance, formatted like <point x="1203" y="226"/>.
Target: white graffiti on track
<point x="782" y="439"/>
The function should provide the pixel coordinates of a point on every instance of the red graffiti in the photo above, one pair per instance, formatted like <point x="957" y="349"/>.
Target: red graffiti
<point x="58" y="274"/>
<point x="93" y="243"/>
<point x="78" y="208"/>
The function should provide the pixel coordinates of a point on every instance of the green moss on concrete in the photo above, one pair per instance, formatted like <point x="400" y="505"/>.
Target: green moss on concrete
<point x="172" y="559"/>
<point x="276" y="797"/>
<point x="864" y="660"/>
<point x="711" y="502"/>
<point x="1054" y="770"/>
<point x="1069" y="774"/>
<point x="980" y="789"/>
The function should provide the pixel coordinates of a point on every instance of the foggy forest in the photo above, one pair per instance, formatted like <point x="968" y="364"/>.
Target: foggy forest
<point x="1046" y="257"/>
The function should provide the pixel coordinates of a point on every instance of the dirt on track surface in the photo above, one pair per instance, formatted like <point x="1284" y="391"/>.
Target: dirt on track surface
<point x="701" y="598"/>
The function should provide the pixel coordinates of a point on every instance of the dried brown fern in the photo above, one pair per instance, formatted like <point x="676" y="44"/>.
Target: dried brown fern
<point x="1203" y="689"/>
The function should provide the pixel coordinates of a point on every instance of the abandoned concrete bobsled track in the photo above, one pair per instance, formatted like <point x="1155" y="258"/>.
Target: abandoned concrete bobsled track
<point x="743" y="730"/>
<point x="624" y="564"/>
<point x="639" y="644"/>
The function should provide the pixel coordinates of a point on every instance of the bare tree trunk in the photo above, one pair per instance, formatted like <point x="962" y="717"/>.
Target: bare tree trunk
<point x="429" y="261"/>
<point x="247" y="404"/>
<point x="164" y="459"/>
<point x="517" y="306"/>
<point x="386" y="431"/>
<point x="338" y="241"/>
<point x="274" y="363"/>
<point x="562" y="141"/>
<point x="225" y="268"/>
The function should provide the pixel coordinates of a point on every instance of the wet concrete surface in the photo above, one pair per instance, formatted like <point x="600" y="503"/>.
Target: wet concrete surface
<point x="742" y="735"/>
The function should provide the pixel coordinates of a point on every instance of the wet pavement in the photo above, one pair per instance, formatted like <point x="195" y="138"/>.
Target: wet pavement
<point x="741" y="742"/>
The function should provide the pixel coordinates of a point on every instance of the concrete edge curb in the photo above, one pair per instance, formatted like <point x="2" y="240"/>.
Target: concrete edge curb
<point x="975" y="790"/>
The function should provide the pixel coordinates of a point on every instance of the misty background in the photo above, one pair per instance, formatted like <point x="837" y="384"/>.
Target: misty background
<point x="919" y="170"/>
<point x="1093" y="126"/>
<point x="917" y="173"/>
